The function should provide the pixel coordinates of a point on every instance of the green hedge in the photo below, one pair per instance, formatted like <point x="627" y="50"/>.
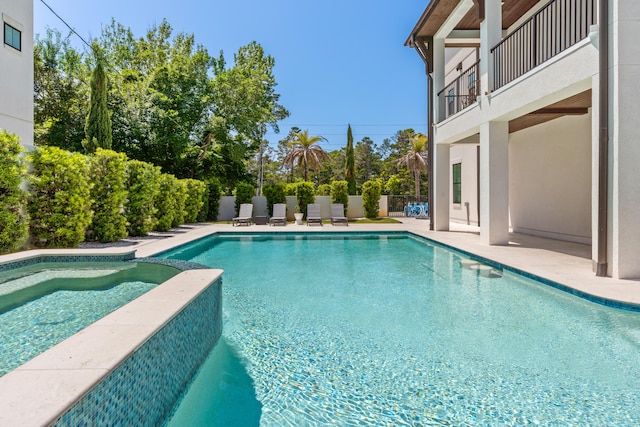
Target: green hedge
<point x="195" y="199"/>
<point x="143" y="184"/>
<point x="291" y="189"/>
<point x="59" y="200"/>
<point x="275" y="193"/>
<point x="215" y="192"/>
<point x="108" y="177"/>
<point x="180" y="196"/>
<point x="340" y="193"/>
<point x="323" y="190"/>
<point x="305" y="193"/>
<point x="371" y="192"/>
<point x="14" y="222"/>
<point x="244" y="194"/>
<point x="165" y="203"/>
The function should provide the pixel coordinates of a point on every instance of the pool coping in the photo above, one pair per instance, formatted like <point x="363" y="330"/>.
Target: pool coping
<point x="39" y="391"/>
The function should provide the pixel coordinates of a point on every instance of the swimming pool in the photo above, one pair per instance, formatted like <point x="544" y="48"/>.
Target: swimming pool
<point x="44" y="303"/>
<point x="392" y="330"/>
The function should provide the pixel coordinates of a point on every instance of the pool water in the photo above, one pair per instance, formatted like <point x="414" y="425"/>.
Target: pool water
<point x="391" y="330"/>
<point x="43" y="304"/>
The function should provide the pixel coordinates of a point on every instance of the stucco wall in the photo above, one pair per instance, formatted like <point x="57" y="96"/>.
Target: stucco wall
<point x="16" y="71"/>
<point x="550" y="179"/>
<point x="467" y="211"/>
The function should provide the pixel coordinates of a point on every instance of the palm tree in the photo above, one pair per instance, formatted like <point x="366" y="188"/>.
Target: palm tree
<point x="416" y="158"/>
<point x="305" y="152"/>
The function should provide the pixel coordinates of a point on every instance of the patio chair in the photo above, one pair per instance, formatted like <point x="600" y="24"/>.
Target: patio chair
<point x="279" y="214"/>
<point x="245" y="215"/>
<point x="313" y="214"/>
<point x="337" y="214"/>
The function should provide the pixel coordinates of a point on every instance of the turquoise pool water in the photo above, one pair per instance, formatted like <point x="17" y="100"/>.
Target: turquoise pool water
<point x="391" y="330"/>
<point x="43" y="304"/>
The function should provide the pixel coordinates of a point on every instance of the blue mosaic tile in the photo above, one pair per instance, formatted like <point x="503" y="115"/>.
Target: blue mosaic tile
<point x="145" y="387"/>
<point x="175" y="263"/>
<point x="65" y="258"/>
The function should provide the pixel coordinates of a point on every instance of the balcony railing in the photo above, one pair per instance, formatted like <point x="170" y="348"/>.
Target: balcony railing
<point x="557" y="26"/>
<point x="461" y="93"/>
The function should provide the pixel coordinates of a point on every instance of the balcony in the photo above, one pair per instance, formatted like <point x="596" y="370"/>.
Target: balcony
<point x="461" y="93"/>
<point x="559" y="25"/>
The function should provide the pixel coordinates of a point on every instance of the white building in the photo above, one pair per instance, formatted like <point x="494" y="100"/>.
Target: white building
<point x="16" y="69"/>
<point x="516" y="93"/>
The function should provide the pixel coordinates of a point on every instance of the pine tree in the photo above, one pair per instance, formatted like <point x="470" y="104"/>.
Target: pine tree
<point x="98" y="126"/>
<point x="350" y="170"/>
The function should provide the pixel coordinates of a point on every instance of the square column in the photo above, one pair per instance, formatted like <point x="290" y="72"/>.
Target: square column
<point x="494" y="183"/>
<point x="441" y="188"/>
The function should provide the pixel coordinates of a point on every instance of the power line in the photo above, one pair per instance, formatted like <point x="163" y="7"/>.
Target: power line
<point x="65" y="23"/>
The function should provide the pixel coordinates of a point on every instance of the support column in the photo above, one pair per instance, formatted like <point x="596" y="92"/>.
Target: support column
<point x="441" y="187"/>
<point x="494" y="183"/>
<point x="624" y="134"/>
<point x="490" y="35"/>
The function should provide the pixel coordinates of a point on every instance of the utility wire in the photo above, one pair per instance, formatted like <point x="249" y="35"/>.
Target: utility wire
<point x="65" y="23"/>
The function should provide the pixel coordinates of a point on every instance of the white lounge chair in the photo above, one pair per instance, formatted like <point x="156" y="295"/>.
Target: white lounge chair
<point x="245" y="216"/>
<point x="337" y="214"/>
<point x="313" y="214"/>
<point x="279" y="214"/>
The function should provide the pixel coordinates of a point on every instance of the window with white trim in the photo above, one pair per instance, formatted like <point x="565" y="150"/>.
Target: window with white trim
<point x="12" y="37"/>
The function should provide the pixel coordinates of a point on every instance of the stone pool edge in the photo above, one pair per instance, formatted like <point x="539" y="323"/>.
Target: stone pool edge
<point x="43" y="389"/>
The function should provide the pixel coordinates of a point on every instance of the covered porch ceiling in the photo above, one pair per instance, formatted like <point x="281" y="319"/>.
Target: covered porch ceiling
<point x="438" y="11"/>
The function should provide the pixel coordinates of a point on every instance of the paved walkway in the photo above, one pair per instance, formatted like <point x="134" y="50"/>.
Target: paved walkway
<point x="563" y="262"/>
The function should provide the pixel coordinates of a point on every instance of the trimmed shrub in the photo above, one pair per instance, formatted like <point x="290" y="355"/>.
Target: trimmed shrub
<point x="165" y="203"/>
<point x="305" y="194"/>
<point x="340" y="193"/>
<point x="371" y="192"/>
<point x="60" y="197"/>
<point x="215" y="192"/>
<point x="290" y="189"/>
<point x="323" y="190"/>
<point x="180" y="195"/>
<point x="143" y="184"/>
<point x="275" y="193"/>
<point x="244" y="193"/>
<point x="109" y="194"/>
<point x="14" y="221"/>
<point x="195" y="199"/>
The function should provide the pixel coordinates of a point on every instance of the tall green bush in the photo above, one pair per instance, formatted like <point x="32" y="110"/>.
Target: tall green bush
<point x="305" y="194"/>
<point x="108" y="175"/>
<point x="244" y="194"/>
<point x="291" y="189"/>
<point x="165" y="203"/>
<point x="371" y="192"/>
<point x="14" y="222"/>
<point x="323" y="190"/>
<point x="340" y="193"/>
<point x="180" y="195"/>
<point x="60" y="197"/>
<point x="215" y="192"/>
<point x="275" y="193"/>
<point x="143" y="184"/>
<point x="195" y="199"/>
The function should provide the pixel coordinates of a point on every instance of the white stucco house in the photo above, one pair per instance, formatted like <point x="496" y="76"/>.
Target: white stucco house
<point x="535" y="121"/>
<point x="16" y="69"/>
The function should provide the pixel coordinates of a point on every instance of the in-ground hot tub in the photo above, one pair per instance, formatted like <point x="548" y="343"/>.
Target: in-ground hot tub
<point x="44" y="303"/>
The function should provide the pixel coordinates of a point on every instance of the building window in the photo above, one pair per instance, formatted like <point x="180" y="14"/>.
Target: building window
<point x="457" y="183"/>
<point x="12" y="37"/>
<point x="472" y="84"/>
<point x="451" y="98"/>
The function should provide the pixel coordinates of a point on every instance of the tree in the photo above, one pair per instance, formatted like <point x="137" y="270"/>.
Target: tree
<point x="98" y="127"/>
<point x="305" y="152"/>
<point x="368" y="160"/>
<point x="350" y="167"/>
<point x="61" y="92"/>
<point x="416" y="158"/>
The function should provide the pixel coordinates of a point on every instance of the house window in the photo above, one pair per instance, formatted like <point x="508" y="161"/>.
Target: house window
<point x="451" y="98"/>
<point x="472" y="84"/>
<point x="457" y="183"/>
<point x="12" y="37"/>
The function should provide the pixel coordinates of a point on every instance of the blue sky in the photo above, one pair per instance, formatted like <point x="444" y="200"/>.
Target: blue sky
<point x="337" y="61"/>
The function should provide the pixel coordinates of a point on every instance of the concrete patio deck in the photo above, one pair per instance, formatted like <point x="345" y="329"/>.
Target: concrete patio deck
<point x="566" y="263"/>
